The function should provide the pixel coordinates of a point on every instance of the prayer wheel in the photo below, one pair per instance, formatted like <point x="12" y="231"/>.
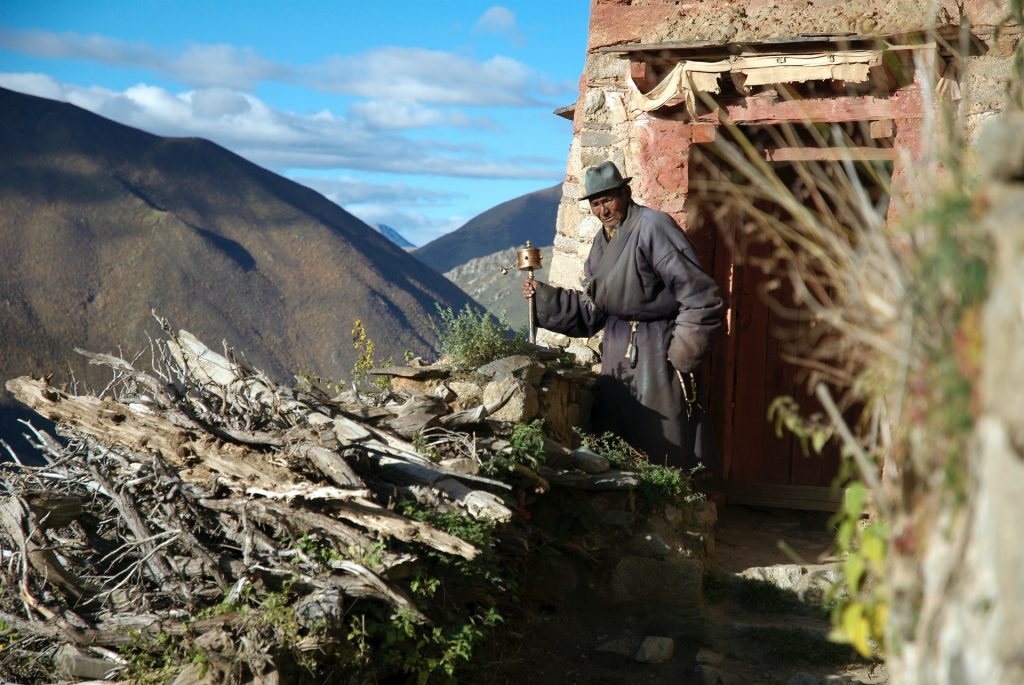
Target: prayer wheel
<point x="528" y="259"/>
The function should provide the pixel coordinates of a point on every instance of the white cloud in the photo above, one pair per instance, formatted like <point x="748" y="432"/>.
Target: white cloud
<point x="433" y="76"/>
<point x="72" y="45"/>
<point x="502" y="21"/>
<point x="414" y="226"/>
<point x="394" y="74"/>
<point x="220" y="102"/>
<point x="198" y="65"/>
<point x="385" y="114"/>
<point x="225" y="65"/>
<point x="280" y="139"/>
<point x="34" y="84"/>
<point x="346" y="190"/>
<point x="94" y="99"/>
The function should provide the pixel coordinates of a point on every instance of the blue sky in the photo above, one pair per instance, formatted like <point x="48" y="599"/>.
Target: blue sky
<point x="419" y="115"/>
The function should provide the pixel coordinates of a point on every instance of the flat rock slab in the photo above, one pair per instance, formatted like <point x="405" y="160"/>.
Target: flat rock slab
<point x="517" y="366"/>
<point x="589" y="461"/>
<point x="413" y="372"/>
<point x="584" y="355"/>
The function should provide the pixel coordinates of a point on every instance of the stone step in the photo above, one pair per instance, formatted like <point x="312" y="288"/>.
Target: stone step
<point x="810" y="583"/>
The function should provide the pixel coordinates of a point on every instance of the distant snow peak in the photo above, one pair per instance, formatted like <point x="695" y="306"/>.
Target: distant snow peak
<point x="393" y="235"/>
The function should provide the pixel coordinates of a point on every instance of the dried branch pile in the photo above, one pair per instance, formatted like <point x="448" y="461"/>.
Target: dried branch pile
<point x="186" y="490"/>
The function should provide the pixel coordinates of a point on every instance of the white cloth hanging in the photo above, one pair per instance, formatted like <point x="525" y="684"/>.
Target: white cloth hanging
<point x="690" y="77"/>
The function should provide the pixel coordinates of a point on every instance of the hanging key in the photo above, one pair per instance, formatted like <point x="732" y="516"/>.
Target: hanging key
<point x="632" y="353"/>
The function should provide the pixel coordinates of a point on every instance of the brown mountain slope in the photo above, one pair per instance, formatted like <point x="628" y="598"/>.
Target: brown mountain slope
<point x="508" y="225"/>
<point x="100" y="223"/>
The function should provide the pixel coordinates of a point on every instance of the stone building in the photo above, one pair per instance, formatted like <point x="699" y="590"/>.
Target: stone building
<point x="662" y="76"/>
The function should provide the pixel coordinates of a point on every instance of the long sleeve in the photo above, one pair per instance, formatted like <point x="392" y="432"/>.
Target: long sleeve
<point x="701" y="305"/>
<point x="566" y="311"/>
<point x="694" y="297"/>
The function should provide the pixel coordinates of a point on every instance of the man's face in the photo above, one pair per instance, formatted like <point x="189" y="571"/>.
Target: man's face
<point x="610" y="207"/>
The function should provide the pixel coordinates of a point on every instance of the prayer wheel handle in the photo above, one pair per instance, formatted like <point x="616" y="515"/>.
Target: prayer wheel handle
<point x="528" y="259"/>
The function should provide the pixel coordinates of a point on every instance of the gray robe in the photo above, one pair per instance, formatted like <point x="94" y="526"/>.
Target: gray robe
<point x="648" y="273"/>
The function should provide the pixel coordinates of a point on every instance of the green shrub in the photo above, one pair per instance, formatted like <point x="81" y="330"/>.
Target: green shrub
<point x="658" y="484"/>
<point x="471" y="338"/>
<point x="364" y="345"/>
<point x="526" y="447"/>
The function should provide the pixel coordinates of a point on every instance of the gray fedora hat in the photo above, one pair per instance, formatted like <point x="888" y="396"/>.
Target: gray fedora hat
<point x="602" y="178"/>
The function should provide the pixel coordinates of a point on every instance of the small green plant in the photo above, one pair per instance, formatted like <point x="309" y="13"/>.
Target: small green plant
<point x="658" y="484"/>
<point x="371" y="557"/>
<point x="364" y="345"/>
<point x="458" y="594"/>
<point x="422" y="653"/>
<point x="526" y="447"/>
<point x="423" y="446"/>
<point x="321" y="552"/>
<point x="153" y="660"/>
<point x="470" y="338"/>
<point x="316" y="548"/>
<point x="785" y="413"/>
<point x="860" y="603"/>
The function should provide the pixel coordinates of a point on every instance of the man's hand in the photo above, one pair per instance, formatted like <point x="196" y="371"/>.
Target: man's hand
<point x="529" y="288"/>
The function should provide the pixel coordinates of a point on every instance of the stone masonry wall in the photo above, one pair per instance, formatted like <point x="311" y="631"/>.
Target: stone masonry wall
<point x="968" y="625"/>
<point x="604" y="128"/>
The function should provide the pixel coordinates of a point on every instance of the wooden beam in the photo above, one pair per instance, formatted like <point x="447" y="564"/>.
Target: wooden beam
<point x="779" y="44"/>
<point x="882" y="129"/>
<point x="766" y="108"/>
<point x="808" y="154"/>
<point x="566" y="112"/>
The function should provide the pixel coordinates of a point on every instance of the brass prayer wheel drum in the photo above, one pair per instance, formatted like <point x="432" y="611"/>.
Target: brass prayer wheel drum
<point x="529" y="258"/>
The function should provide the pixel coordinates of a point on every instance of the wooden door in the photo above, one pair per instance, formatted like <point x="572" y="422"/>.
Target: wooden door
<point x="754" y="364"/>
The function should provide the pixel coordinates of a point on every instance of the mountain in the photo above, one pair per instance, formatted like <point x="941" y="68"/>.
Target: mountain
<point x="500" y="293"/>
<point x="506" y="226"/>
<point x="101" y="223"/>
<point x="393" y="235"/>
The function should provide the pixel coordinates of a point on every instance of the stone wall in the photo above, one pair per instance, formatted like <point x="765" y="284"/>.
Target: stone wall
<point x="605" y="128"/>
<point x="965" y="620"/>
<point x="615" y="22"/>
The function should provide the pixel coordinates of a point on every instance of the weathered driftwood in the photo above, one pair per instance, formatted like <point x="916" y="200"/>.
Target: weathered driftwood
<point x="53" y="510"/>
<point x="329" y="463"/>
<point x="73" y="663"/>
<point x="113" y="423"/>
<point x="418" y="412"/>
<point x="236" y="381"/>
<point x="215" y="370"/>
<point x="370" y="415"/>
<point x="540" y="484"/>
<point x="480" y="504"/>
<point x="186" y="484"/>
<point x="612" y="480"/>
<point x="21" y="528"/>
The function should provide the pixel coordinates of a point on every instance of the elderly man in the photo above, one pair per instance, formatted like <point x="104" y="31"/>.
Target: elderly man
<point x="660" y="312"/>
